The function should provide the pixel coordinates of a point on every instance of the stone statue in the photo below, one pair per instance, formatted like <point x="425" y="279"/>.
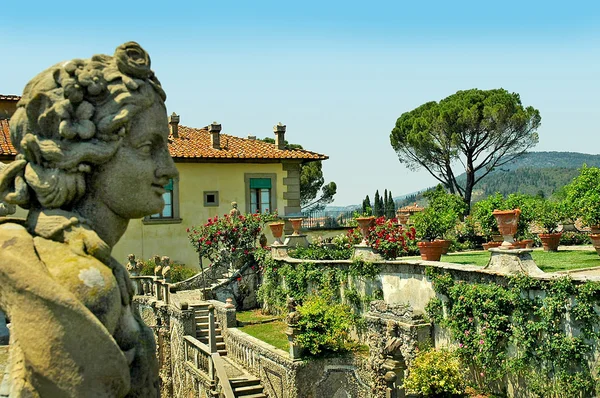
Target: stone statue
<point x="134" y="266"/>
<point x="234" y="212"/>
<point x="89" y="132"/>
<point x="157" y="265"/>
<point x="6" y="209"/>
<point x="166" y="268"/>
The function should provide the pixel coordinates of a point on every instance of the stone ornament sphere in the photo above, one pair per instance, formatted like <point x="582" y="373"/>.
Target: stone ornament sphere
<point x="91" y="136"/>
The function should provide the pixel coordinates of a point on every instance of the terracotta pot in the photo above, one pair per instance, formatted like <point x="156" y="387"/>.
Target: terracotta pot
<point x="364" y="223"/>
<point x="596" y="242"/>
<point x="403" y="218"/>
<point x="277" y="231"/>
<point x="431" y="251"/>
<point x="595" y="229"/>
<point x="519" y="244"/>
<point x="507" y="221"/>
<point x="489" y="245"/>
<point x="550" y="241"/>
<point x="296" y="225"/>
<point x="447" y="244"/>
<point x="528" y="243"/>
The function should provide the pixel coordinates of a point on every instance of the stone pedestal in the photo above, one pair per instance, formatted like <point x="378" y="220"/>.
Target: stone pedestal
<point x="296" y="240"/>
<point x="513" y="261"/>
<point x="295" y="349"/>
<point x="279" y="252"/>
<point x="4" y="334"/>
<point x="365" y="252"/>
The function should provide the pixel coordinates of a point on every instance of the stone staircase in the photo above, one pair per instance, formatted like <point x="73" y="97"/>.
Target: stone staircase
<point x="202" y="328"/>
<point x="243" y="383"/>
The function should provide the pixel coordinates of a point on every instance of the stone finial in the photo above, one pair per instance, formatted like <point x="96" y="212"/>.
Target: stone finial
<point x="229" y="303"/>
<point x="215" y="135"/>
<point x="279" y="130"/>
<point x="174" y="125"/>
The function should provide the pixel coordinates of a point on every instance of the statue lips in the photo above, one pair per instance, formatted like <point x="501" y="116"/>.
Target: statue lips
<point x="158" y="188"/>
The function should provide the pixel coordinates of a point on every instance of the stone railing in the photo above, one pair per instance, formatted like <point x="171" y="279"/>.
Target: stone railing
<point x="251" y="352"/>
<point x="208" y="365"/>
<point x="152" y="286"/>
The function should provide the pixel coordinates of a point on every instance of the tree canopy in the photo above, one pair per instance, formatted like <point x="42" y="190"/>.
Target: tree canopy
<point x="477" y="130"/>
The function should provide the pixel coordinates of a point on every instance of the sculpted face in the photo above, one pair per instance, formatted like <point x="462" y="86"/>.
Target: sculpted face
<point x="131" y="183"/>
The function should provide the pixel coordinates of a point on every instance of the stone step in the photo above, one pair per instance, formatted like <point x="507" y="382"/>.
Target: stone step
<point x="204" y="332"/>
<point x="259" y="395"/>
<point x="222" y="353"/>
<point x="204" y="339"/>
<point x="247" y="390"/>
<point x="244" y="382"/>
<point x="204" y="325"/>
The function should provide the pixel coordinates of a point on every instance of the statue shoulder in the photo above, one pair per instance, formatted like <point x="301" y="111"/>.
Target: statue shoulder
<point x="15" y="240"/>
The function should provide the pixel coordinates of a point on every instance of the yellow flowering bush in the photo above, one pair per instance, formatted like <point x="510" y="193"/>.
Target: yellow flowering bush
<point x="436" y="373"/>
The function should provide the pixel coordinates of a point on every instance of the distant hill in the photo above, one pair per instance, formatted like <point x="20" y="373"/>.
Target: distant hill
<point x="534" y="173"/>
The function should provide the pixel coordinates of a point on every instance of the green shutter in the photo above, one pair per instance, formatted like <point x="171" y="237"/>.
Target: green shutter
<point x="260" y="183"/>
<point x="169" y="186"/>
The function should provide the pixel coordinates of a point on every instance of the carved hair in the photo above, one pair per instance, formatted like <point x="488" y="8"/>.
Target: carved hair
<point x="72" y="117"/>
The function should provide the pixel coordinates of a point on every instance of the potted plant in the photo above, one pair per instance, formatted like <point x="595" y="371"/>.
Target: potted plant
<point x="548" y="215"/>
<point x="431" y="225"/>
<point x="482" y="214"/>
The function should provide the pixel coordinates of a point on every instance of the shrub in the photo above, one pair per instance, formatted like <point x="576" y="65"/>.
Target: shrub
<point x="434" y="223"/>
<point x="436" y="373"/>
<point x="548" y="214"/>
<point x="323" y="325"/>
<point x="575" y="238"/>
<point x="230" y="239"/>
<point x="583" y="195"/>
<point x="482" y="213"/>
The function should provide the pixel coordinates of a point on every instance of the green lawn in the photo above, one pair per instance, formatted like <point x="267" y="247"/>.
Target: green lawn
<point x="547" y="261"/>
<point x="252" y="316"/>
<point x="271" y="332"/>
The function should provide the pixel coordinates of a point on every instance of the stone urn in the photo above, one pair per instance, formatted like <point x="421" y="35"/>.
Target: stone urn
<point x="507" y="225"/>
<point x="431" y="251"/>
<point x="403" y="217"/>
<point x="550" y="241"/>
<point x="364" y="223"/>
<point x="296" y="225"/>
<point x="528" y="243"/>
<point x="277" y="231"/>
<point x="596" y="242"/>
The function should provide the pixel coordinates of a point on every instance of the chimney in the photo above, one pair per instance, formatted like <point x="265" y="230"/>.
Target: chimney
<point x="174" y="125"/>
<point x="215" y="135"/>
<point x="279" y="131"/>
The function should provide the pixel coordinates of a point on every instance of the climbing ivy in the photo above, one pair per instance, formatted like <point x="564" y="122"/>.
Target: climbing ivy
<point x="522" y="329"/>
<point x="282" y="279"/>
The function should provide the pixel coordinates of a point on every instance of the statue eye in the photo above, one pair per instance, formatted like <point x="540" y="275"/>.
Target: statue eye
<point x="145" y="148"/>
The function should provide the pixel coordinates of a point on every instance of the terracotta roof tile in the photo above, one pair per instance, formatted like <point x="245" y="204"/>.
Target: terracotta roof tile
<point x="195" y="143"/>
<point x="6" y="147"/>
<point x="4" y="97"/>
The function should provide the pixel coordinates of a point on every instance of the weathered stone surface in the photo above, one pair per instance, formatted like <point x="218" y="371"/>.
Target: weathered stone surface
<point x="92" y="137"/>
<point x="513" y="261"/>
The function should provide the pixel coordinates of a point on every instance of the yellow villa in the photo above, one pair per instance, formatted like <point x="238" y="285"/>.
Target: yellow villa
<point x="215" y="170"/>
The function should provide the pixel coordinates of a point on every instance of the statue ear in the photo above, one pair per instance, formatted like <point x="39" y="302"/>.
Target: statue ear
<point x="41" y="115"/>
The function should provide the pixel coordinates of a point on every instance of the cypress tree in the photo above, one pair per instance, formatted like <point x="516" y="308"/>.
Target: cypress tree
<point x="367" y="205"/>
<point x="376" y="204"/>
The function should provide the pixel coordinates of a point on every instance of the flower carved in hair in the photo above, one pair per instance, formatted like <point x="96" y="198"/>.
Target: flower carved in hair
<point x="133" y="61"/>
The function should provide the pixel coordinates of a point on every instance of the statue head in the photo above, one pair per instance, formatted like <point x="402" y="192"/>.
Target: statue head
<point x="131" y="258"/>
<point x="72" y="119"/>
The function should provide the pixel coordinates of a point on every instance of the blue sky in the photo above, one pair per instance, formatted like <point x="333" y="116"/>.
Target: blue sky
<point x="338" y="74"/>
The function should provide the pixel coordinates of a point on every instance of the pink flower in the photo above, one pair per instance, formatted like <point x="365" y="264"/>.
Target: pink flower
<point x="467" y="332"/>
<point x="460" y="345"/>
<point x="480" y="341"/>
